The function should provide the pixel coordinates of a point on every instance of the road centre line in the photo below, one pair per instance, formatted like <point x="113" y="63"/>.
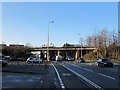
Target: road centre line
<point x="88" y="69"/>
<point x="84" y="78"/>
<point x="96" y="73"/>
<point x="106" y="76"/>
<point x="73" y="65"/>
<point x="82" y="68"/>
<point x="58" y="75"/>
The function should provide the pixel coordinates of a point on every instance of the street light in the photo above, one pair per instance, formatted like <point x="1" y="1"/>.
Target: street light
<point x="48" y="40"/>
<point x="81" y="43"/>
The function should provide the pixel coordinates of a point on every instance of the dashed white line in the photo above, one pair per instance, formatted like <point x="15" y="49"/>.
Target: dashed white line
<point x="58" y="75"/>
<point x="92" y="71"/>
<point x="106" y="76"/>
<point x="73" y="64"/>
<point x="88" y="69"/>
<point x="85" y="79"/>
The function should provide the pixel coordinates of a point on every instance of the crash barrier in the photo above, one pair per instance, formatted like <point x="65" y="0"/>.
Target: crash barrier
<point x="18" y="63"/>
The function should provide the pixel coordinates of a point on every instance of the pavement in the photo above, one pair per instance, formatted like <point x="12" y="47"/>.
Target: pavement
<point x="63" y="75"/>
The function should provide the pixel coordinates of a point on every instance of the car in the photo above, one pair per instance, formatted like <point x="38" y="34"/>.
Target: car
<point x="34" y="60"/>
<point x="59" y="58"/>
<point x="7" y="57"/>
<point x="69" y="58"/>
<point x="13" y="58"/>
<point x="52" y="58"/>
<point x="102" y="62"/>
<point x="3" y="62"/>
<point x="82" y="60"/>
<point x="21" y="59"/>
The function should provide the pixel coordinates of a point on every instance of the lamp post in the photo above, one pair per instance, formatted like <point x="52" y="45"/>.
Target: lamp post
<point x="81" y="44"/>
<point x="48" y="40"/>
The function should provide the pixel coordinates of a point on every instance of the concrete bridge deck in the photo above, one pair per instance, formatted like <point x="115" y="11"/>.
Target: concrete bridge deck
<point x="63" y="48"/>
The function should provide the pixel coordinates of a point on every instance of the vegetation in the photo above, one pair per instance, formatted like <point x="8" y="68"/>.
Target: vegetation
<point x="16" y="51"/>
<point x="106" y="44"/>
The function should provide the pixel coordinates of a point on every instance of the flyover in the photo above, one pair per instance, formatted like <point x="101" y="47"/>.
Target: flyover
<point x="64" y="51"/>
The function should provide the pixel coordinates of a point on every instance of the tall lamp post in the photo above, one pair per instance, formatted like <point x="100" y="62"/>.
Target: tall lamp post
<point x="81" y="44"/>
<point x="48" y="40"/>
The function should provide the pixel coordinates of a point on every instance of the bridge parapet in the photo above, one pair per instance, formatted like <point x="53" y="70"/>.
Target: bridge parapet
<point x="64" y="48"/>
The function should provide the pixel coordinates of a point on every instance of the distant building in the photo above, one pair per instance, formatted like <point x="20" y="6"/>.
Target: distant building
<point x="50" y="45"/>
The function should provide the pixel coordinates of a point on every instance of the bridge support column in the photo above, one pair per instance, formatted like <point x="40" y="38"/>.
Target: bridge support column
<point x="66" y="54"/>
<point x="77" y="55"/>
<point x="58" y="52"/>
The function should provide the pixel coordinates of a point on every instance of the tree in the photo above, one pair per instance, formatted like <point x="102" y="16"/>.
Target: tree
<point x="66" y="45"/>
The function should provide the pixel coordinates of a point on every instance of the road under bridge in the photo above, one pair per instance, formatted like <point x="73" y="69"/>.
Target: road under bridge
<point x="64" y="51"/>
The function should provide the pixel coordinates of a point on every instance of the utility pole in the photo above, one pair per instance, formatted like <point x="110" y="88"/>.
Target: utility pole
<point x="81" y="44"/>
<point x="48" y="40"/>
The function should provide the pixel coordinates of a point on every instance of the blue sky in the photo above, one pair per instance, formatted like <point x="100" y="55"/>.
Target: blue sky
<point x="27" y="22"/>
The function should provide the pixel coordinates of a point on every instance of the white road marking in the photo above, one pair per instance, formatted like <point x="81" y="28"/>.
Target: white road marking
<point x="106" y="76"/>
<point x="88" y="69"/>
<point x="78" y="66"/>
<point x="85" y="79"/>
<point x="96" y="73"/>
<point x="58" y="75"/>
<point x="73" y="64"/>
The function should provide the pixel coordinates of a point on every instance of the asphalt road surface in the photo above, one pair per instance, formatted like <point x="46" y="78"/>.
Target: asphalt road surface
<point x="60" y="75"/>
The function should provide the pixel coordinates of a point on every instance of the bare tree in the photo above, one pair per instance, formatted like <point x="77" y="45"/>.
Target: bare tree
<point x="89" y="41"/>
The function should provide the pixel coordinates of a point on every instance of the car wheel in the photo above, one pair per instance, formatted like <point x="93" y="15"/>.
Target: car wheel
<point x="103" y="65"/>
<point x="28" y="62"/>
<point x="111" y="65"/>
<point x="100" y="65"/>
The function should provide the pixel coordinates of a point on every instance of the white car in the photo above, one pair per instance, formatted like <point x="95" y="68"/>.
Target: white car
<point x="59" y="58"/>
<point x="69" y="58"/>
<point x="34" y="60"/>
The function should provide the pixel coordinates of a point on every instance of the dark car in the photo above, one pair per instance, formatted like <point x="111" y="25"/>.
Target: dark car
<point x="70" y="58"/>
<point x="104" y="62"/>
<point x="13" y="59"/>
<point x="3" y="62"/>
<point x="82" y="60"/>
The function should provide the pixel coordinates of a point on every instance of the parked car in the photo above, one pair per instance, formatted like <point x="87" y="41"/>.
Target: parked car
<point x="13" y="58"/>
<point x="7" y="57"/>
<point x="21" y="59"/>
<point x="104" y="62"/>
<point x="3" y="62"/>
<point x="69" y="58"/>
<point x="59" y="58"/>
<point x="52" y="58"/>
<point x="34" y="60"/>
<point x="82" y="60"/>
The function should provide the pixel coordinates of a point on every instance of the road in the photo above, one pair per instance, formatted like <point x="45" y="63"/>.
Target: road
<point x="60" y="75"/>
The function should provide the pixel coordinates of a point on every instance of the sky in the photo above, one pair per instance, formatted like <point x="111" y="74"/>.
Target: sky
<point x="27" y="22"/>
